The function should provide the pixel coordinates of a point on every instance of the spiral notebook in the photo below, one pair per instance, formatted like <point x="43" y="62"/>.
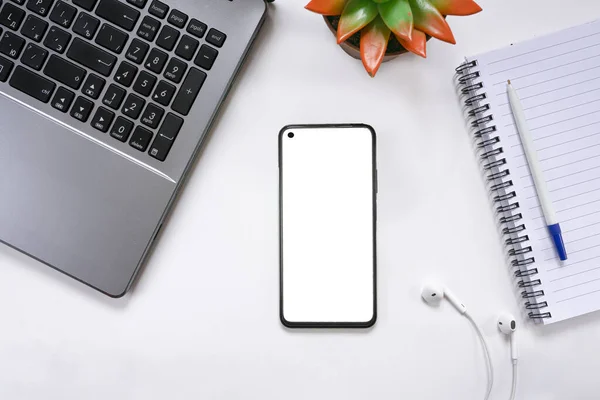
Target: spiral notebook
<point x="557" y="78"/>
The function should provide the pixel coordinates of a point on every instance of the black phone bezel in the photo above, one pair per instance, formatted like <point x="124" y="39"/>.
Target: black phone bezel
<point x="321" y="324"/>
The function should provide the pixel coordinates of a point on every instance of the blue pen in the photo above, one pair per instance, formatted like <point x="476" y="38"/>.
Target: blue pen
<point x="536" y="173"/>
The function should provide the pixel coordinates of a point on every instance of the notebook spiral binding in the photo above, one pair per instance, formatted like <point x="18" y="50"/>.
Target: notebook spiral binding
<point x="498" y="177"/>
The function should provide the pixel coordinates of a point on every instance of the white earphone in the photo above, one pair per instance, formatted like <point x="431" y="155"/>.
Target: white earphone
<point x="433" y="294"/>
<point x="508" y="326"/>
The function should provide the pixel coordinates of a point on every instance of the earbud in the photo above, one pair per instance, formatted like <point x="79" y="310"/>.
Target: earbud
<point x="434" y="294"/>
<point x="508" y="326"/>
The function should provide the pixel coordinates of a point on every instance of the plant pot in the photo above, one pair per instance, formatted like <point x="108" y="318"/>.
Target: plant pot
<point x="352" y="45"/>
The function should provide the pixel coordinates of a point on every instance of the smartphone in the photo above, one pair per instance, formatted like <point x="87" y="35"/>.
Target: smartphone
<point x="327" y="211"/>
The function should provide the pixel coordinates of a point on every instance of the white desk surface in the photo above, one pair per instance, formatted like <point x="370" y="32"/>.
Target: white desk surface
<point x="202" y="322"/>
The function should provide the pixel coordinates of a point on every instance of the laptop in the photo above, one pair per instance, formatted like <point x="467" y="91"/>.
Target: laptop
<point x="103" y="106"/>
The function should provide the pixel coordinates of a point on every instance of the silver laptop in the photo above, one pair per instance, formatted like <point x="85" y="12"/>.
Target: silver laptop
<point x="103" y="106"/>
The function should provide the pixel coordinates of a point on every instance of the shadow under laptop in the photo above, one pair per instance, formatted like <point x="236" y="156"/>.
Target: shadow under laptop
<point x="22" y="260"/>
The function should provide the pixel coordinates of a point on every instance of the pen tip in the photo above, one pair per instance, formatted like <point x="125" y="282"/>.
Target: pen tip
<point x="509" y="81"/>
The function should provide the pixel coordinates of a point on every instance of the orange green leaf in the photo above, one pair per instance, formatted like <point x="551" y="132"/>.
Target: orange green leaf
<point x="356" y="15"/>
<point x="429" y="20"/>
<point x="417" y="45"/>
<point x="326" y="7"/>
<point x="456" y="7"/>
<point x="373" y="44"/>
<point x="398" y="16"/>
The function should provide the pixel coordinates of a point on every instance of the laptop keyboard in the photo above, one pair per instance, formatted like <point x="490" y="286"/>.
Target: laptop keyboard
<point x="68" y="58"/>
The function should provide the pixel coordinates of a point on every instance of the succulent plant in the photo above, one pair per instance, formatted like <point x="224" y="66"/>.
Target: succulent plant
<point x="409" y="20"/>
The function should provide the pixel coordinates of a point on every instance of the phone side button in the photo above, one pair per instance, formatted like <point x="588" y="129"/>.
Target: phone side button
<point x="376" y="181"/>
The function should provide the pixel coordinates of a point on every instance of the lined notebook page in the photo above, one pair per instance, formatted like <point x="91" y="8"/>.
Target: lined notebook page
<point x="557" y="78"/>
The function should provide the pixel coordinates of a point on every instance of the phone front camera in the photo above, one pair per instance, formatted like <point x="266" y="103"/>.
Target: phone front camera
<point x="291" y="135"/>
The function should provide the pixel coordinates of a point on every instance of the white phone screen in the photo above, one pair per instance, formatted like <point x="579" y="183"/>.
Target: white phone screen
<point x="327" y="211"/>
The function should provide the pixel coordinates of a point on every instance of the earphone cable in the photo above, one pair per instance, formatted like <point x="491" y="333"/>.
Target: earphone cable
<point x="488" y="359"/>
<point x="513" y="392"/>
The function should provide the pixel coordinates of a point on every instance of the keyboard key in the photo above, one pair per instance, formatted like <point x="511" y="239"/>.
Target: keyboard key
<point x="156" y="60"/>
<point x="21" y="2"/>
<point x="148" y="28"/>
<point x="82" y="109"/>
<point x="138" y="3"/>
<point x="175" y="70"/>
<point x="93" y="86"/>
<point x="197" y="28"/>
<point x="62" y="99"/>
<point x="166" y="137"/>
<point x="177" y="18"/>
<point x="118" y="13"/>
<point x="141" y="138"/>
<point x="85" y="4"/>
<point x="152" y="116"/>
<point x="114" y="97"/>
<point x="187" y="47"/>
<point x="189" y="91"/>
<point x="144" y="83"/>
<point x="63" y="14"/>
<point x="137" y="51"/>
<point x="133" y="106"/>
<point x="57" y="40"/>
<point x="91" y="57"/>
<point x="86" y="25"/>
<point x="11" y="45"/>
<point x="126" y="73"/>
<point x="167" y="38"/>
<point x="32" y="84"/>
<point x="34" y="56"/>
<point x="40" y="7"/>
<point x="65" y="72"/>
<point x="34" y="28"/>
<point x="102" y="119"/>
<point x="163" y="93"/>
<point x="216" y="38"/>
<point x="5" y="67"/>
<point x="11" y="16"/>
<point x="111" y="38"/>
<point x="206" y="57"/>
<point x="158" y="9"/>
<point x="121" y="129"/>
